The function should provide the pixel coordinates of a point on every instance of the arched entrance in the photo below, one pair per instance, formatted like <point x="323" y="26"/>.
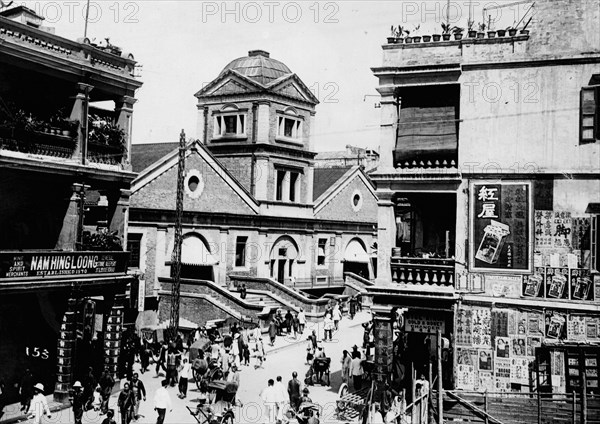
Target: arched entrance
<point x="283" y="259"/>
<point x="197" y="262"/>
<point x="356" y="259"/>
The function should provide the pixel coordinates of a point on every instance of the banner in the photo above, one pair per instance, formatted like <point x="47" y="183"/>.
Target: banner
<point x="501" y="227"/>
<point x="62" y="264"/>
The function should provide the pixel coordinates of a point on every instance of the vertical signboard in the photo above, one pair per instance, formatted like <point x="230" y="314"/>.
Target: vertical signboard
<point x="501" y="227"/>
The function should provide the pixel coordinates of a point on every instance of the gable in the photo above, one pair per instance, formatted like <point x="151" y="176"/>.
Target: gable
<point x="340" y="207"/>
<point x="144" y="155"/>
<point x="215" y="193"/>
<point x="324" y="178"/>
<point x="292" y="91"/>
<point x="230" y="87"/>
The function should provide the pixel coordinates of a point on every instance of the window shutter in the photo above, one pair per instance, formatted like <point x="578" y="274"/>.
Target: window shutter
<point x="588" y="119"/>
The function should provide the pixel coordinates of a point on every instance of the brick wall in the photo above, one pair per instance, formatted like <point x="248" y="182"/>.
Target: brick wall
<point x="240" y="167"/>
<point x="217" y="195"/>
<point x="340" y="207"/>
<point x="196" y="310"/>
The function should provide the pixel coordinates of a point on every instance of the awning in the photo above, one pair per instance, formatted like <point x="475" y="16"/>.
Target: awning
<point x="183" y="324"/>
<point x="195" y="252"/>
<point x="355" y="252"/>
<point x="593" y="208"/>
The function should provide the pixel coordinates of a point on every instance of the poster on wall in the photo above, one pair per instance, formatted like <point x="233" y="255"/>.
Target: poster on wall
<point x="557" y="286"/>
<point x="485" y="381"/>
<point x="465" y="375"/>
<point x="519" y="370"/>
<point x="576" y="328"/>
<point x="485" y="360"/>
<point x="499" y="324"/>
<point x="502" y="347"/>
<point x="501" y="227"/>
<point x="533" y="342"/>
<point x="518" y="347"/>
<point x="533" y="285"/>
<point x="464" y="327"/>
<point x="554" y="325"/>
<point x="502" y="374"/>
<point x="581" y="284"/>
<point x="482" y="328"/>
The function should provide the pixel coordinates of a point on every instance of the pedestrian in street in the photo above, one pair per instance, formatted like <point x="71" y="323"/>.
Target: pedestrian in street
<point x="246" y="355"/>
<point x="356" y="371"/>
<point x="336" y="316"/>
<point x="242" y="341"/>
<point x="39" y="404"/>
<point x="162" y="402"/>
<point x="288" y="321"/>
<point x="139" y="393"/>
<point x="97" y="399"/>
<point x="126" y="404"/>
<point x="269" y="398"/>
<point x="352" y="307"/>
<point x="346" y="365"/>
<point x="243" y="291"/>
<point x="78" y="402"/>
<point x="106" y="385"/>
<point x="109" y="417"/>
<point x="304" y="397"/>
<point x="328" y="326"/>
<point x="272" y="331"/>
<point x="310" y="352"/>
<point x="314" y="339"/>
<point x="162" y="357"/>
<point x="172" y="367"/>
<point x="26" y="390"/>
<point x="89" y="386"/>
<point x="301" y="321"/>
<point x="260" y="353"/>
<point x="282" y="397"/>
<point x="295" y="325"/>
<point x="293" y="390"/>
<point x="359" y="302"/>
<point x="185" y="371"/>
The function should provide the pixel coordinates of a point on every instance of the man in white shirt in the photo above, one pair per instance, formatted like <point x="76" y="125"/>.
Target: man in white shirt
<point x="162" y="402"/>
<point x="39" y="404"/>
<point x="282" y="397"/>
<point x="269" y="397"/>
<point x="301" y="321"/>
<point x="356" y="371"/>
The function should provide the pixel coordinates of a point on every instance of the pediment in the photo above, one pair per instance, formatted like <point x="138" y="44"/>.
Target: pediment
<point x="291" y="86"/>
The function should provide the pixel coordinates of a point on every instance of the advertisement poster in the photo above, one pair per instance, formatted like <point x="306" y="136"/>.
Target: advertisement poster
<point x="581" y="284"/>
<point x="554" y="325"/>
<point x="501" y="227"/>
<point x="482" y="328"/>
<point x="485" y="360"/>
<point x="502" y="374"/>
<point x="518" y="346"/>
<point x="576" y="328"/>
<point x="502" y="347"/>
<point x="535" y="323"/>
<point x="486" y="382"/>
<point x="499" y="324"/>
<point x="519" y="370"/>
<point x="533" y="342"/>
<point x="591" y="326"/>
<point x="466" y="356"/>
<point x="464" y="327"/>
<point x="557" y="283"/>
<point x="533" y="285"/>
<point x="465" y="375"/>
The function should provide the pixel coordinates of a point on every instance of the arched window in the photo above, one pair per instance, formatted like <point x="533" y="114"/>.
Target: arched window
<point x="284" y="255"/>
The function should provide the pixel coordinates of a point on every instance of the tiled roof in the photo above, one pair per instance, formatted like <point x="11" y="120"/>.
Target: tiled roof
<point x="259" y="67"/>
<point x="144" y="155"/>
<point x="325" y="178"/>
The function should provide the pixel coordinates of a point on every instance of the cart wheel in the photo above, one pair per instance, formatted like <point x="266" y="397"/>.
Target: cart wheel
<point x="227" y="419"/>
<point x="343" y="390"/>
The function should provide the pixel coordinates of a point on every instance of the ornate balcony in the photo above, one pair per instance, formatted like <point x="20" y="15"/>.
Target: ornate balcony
<point x="424" y="271"/>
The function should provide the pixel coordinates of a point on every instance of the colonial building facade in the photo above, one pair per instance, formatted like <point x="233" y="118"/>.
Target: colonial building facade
<point x="63" y="275"/>
<point x="254" y="205"/>
<point x="488" y="187"/>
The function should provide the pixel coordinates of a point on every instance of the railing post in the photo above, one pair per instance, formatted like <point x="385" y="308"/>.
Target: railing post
<point x="485" y="406"/>
<point x="440" y="386"/>
<point x="574" y="407"/>
<point x="539" y="406"/>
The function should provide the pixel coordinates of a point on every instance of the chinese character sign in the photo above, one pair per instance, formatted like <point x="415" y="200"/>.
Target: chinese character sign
<point x="501" y="223"/>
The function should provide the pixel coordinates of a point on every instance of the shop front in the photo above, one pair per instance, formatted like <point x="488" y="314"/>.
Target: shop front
<point x="56" y="315"/>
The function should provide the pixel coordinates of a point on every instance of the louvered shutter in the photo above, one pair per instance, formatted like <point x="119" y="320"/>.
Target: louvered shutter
<point x="588" y="120"/>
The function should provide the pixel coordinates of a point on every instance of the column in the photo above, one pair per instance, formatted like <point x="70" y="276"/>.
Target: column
<point x="262" y="123"/>
<point x="462" y="226"/>
<point x="225" y="257"/>
<point x="200" y="117"/>
<point x="386" y="236"/>
<point x="67" y="239"/>
<point x="80" y="113"/>
<point x="387" y="133"/>
<point x="309" y="178"/>
<point x="263" y="260"/>
<point x="65" y="353"/>
<point x="120" y="217"/>
<point x="124" y="112"/>
<point x="160" y="257"/>
<point x="261" y="178"/>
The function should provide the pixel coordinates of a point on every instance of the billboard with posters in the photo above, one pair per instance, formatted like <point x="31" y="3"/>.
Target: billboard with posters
<point x="501" y="236"/>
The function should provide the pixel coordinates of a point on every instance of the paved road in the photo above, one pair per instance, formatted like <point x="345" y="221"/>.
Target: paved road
<point x="288" y="355"/>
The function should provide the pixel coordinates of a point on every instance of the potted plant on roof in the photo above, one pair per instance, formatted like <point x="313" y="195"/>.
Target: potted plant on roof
<point x="458" y="33"/>
<point x="481" y="32"/>
<point x="446" y="31"/>
<point x="408" y="39"/>
<point x="525" y="31"/>
<point x="426" y="38"/>
<point x="392" y="38"/>
<point x="471" y="32"/>
<point x="512" y="31"/>
<point x="417" y="38"/>
<point x="501" y="32"/>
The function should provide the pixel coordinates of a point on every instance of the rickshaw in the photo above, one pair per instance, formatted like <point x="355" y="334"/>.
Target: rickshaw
<point x="196" y="354"/>
<point x="305" y="411"/>
<point x="204" y="414"/>
<point x="320" y="366"/>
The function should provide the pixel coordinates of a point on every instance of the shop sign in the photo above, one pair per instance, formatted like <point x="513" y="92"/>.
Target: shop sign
<point x="45" y="264"/>
<point x="503" y="285"/>
<point x="501" y="227"/>
<point x="423" y="324"/>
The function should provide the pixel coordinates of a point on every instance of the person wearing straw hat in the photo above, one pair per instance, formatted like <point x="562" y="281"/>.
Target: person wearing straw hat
<point x="77" y="401"/>
<point x="39" y="404"/>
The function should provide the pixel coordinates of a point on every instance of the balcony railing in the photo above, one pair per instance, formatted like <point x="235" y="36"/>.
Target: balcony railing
<point x="71" y="50"/>
<point x="36" y="142"/>
<point x="426" y="271"/>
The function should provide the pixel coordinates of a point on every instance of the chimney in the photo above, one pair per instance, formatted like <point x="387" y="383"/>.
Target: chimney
<point x="262" y="53"/>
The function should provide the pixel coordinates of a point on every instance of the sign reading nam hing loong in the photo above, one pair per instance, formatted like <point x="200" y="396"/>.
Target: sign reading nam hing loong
<point x="42" y="264"/>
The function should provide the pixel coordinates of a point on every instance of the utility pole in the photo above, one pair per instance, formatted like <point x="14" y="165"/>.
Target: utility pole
<point x="87" y="17"/>
<point x="176" y="259"/>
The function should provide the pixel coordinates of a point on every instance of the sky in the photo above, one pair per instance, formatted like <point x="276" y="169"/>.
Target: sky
<point x="331" y="46"/>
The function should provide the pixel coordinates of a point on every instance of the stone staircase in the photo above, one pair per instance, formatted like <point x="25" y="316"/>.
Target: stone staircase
<point x="254" y="299"/>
